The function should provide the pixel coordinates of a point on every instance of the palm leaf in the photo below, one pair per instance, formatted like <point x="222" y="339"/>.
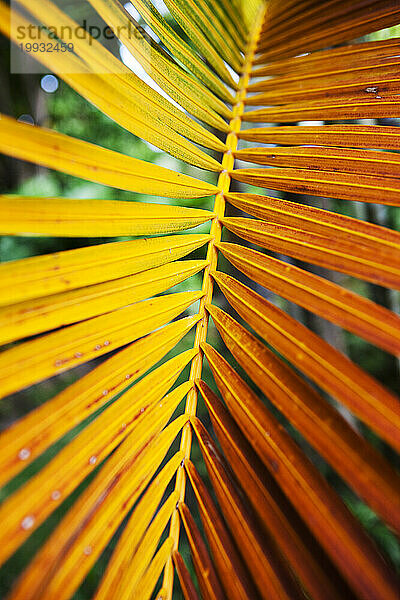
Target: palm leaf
<point x="119" y="445"/>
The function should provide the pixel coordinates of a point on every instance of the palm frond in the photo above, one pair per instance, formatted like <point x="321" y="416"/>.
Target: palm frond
<point x="119" y="445"/>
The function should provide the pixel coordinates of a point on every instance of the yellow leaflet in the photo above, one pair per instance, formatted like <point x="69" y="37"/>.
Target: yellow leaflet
<point x="134" y="115"/>
<point x="181" y="50"/>
<point x="232" y="14"/>
<point x="319" y="32"/>
<point x="88" y="161"/>
<point x="25" y="440"/>
<point x="249" y="10"/>
<point x="325" y="298"/>
<point x="185" y="579"/>
<point x="131" y="577"/>
<point x="112" y="72"/>
<point x="138" y="410"/>
<point x="42" y="314"/>
<point x="68" y="217"/>
<point x="191" y="20"/>
<point x="94" y="517"/>
<point x="130" y="112"/>
<point x="340" y="253"/>
<point x="316" y="419"/>
<point x="380" y="137"/>
<point x="220" y="36"/>
<point x="330" y="369"/>
<point x="148" y="582"/>
<point x="317" y="220"/>
<point x="64" y="349"/>
<point x="135" y="528"/>
<point x="227" y="560"/>
<point x="326" y="512"/>
<point x="52" y="273"/>
<point x="227" y="28"/>
<point x="201" y="43"/>
<point x="181" y="86"/>
<point x="207" y="579"/>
